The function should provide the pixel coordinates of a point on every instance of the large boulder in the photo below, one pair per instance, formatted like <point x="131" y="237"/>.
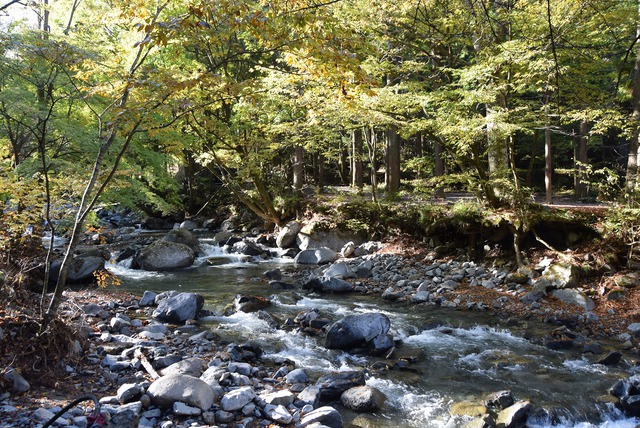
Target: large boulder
<point x="561" y="275"/>
<point x="363" y="398"/>
<point x="360" y="331"/>
<point x="311" y="237"/>
<point x="514" y="416"/>
<point x="81" y="269"/>
<point x="179" y="308"/>
<point x="287" y="236"/>
<point x="333" y="385"/>
<point x="165" y="256"/>
<point x="183" y="236"/>
<point x="318" y="256"/>
<point x="574" y="297"/>
<point x="184" y="388"/>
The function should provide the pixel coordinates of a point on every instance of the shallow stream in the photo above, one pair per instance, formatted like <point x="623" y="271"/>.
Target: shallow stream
<point x="460" y="356"/>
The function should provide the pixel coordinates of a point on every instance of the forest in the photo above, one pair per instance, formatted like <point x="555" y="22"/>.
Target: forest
<point x="162" y="107"/>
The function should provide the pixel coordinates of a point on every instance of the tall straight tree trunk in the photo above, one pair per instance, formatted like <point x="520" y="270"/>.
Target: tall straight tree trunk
<point x="298" y="168"/>
<point x="439" y="167"/>
<point x="372" y="143"/>
<point x="632" y="160"/>
<point x="357" y="180"/>
<point x="581" y="160"/>
<point x="393" y="161"/>
<point x="547" y="157"/>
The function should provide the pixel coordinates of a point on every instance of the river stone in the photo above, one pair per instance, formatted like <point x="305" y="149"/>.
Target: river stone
<point x="278" y="413"/>
<point x="333" y="385"/>
<point x="514" y="416"/>
<point x="574" y="297"/>
<point x="238" y="398"/>
<point x="318" y="256"/>
<point x="183" y="236"/>
<point x="287" y="236"/>
<point x="193" y="366"/>
<point x="148" y="299"/>
<point x="283" y="397"/>
<point x="326" y="415"/>
<point x="129" y="392"/>
<point x="247" y="248"/>
<point x="310" y="395"/>
<point x="561" y="275"/>
<point x="18" y="382"/>
<point x="184" y="388"/>
<point x="127" y="416"/>
<point x="181" y="409"/>
<point x="610" y="359"/>
<point x="179" y="308"/>
<point x="363" y="398"/>
<point x="348" y="249"/>
<point x="81" y="269"/>
<point x="356" y="330"/>
<point x="339" y="270"/>
<point x="467" y="408"/>
<point x="248" y="303"/>
<point x="330" y="285"/>
<point x="297" y="376"/>
<point x="165" y="256"/>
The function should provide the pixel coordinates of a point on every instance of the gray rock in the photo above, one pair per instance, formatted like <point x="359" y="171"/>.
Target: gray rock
<point x="193" y="366"/>
<point x="574" y="297"/>
<point x="278" y="413"/>
<point x="181" y="409"/>
<point x="310" y="396"/>
<point x="326" y="415"/>
<point x="81" y="268"/>
<point x="185" y="237"/>
<point x="318" y="256"/>
<point x="238" y="398"/>
<point x="129" y="392"/>
<point x="247" y="248"/>
<point x="514" y="416"/>
<point x="348" y="249"/>
<point x="165" y="256"/>
<point x="179" y="308"/>
<point x="282" y="397"/>
<point x="357" y="330"/>
<point x="148" y="299"/>
<point x="420" y="297"/>
<point x="187" y="389"/>
<point x="273" y="274"/>
<point x="42" y="414"/>
<point x="363" y="398"/>
<point x="189" y="225"/>
<point x="18" y="383"/>
<point x="339" y="270"/>
<point x="127" y="416"/>
<point x="634" y="329"/>
<point x="328" y="285"/>
<point x="287" y="236"/>
<point x="333" y="385"/>
<point x="297" y="376"/>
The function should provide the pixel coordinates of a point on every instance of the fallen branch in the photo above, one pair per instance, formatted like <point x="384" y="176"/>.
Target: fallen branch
<point x="146" y="364"/>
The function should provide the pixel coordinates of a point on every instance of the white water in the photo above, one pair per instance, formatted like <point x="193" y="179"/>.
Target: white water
<point x="462" y="361"/>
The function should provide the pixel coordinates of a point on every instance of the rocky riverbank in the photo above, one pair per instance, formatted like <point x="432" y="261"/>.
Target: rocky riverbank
<point x="133" y="357"/>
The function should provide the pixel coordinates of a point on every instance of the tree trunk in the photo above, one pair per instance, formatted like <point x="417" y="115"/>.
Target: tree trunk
<point x="581" y="160"/>
<point x="372" y="147"/>
<point x="357" y="180"/>
<point x="393" y="161"/>
<point x="632" y="159"/>
<point x="439" y="167"/>
<point x="298" y="168"/>
<point x="547" y="157"/>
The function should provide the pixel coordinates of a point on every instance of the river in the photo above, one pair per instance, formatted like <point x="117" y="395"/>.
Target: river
<point x="457" y="356"/>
